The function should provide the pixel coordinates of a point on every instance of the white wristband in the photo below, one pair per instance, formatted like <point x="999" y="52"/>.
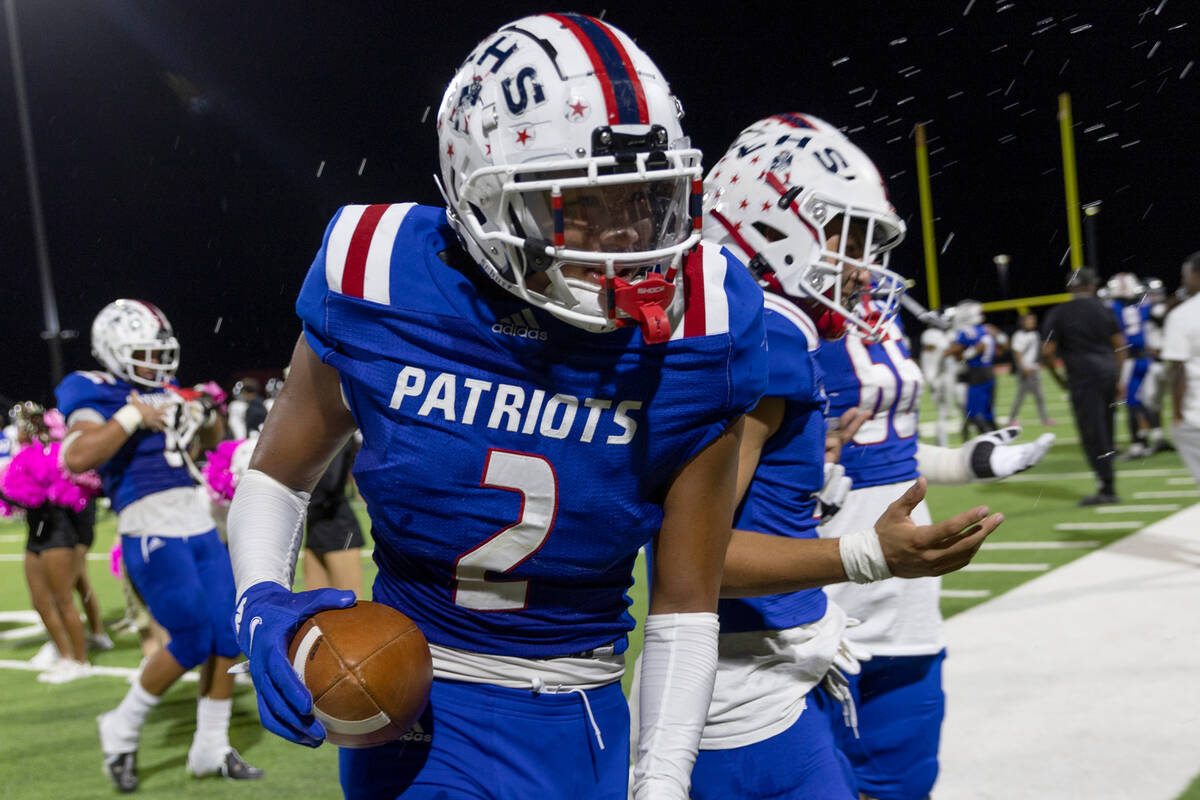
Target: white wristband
<point x="679" y="664"/>
<point x="129" y="418"/>
<point x="862" y="557"/>
<point x="266" y="525"/>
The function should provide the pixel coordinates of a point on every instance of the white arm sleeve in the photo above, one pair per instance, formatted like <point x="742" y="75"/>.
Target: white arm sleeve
<point x="943" y="465"/>
<point x="679" y="664"/>
<point x="266" y="526"/>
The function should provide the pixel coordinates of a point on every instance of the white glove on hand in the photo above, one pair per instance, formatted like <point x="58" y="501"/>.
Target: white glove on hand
<point x="990" y="457"/>
<point x="833" y="492"/>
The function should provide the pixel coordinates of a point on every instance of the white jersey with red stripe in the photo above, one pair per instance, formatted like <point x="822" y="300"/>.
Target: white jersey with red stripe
<point x="513" y="464"/>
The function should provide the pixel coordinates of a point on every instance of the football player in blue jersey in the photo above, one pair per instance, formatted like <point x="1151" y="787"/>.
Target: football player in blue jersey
<point x="133" y="425"/>
<point x="548" y="373"/>
<point x="807" y="211"/>
<point x="977" y="345"/>
<point x="1127" y="297"/>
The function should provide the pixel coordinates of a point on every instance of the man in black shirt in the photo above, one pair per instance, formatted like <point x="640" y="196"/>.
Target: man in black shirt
<point x="1085" y="334"/>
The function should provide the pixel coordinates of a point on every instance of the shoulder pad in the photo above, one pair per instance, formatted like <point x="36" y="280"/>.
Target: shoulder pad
<point x="790" y="312"/>
<point x="358" y="249"/>
<point x="716" y="288"/>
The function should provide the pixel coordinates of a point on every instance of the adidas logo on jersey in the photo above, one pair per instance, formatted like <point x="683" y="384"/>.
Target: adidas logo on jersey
<point x="522" y="325"/>
<point x="417" y="734"/>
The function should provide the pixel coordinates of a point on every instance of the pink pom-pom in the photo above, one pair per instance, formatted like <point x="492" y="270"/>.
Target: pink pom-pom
<point x="56" y="423"/>
<point x="219" y="479"/>
<point x="34" y="477"/>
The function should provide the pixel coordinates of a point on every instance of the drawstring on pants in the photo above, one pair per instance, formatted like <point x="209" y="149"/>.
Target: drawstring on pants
<point x="539" y="686"/>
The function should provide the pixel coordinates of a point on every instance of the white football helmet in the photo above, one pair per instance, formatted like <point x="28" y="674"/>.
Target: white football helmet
<point x="1125" y="286"/>
<point x="783" y="190"/>
<point x="127" y="334"/>
<point x="968" y="314"/>
<point x="560" y="144"/>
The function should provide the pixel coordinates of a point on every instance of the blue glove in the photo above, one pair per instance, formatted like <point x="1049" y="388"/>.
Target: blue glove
<point x="267" y="616"/>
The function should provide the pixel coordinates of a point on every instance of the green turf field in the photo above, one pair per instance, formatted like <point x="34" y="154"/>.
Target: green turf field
<point x="47" y="733"/>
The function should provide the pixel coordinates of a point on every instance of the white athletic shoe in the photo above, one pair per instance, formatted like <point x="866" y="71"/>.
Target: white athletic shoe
<point x="225" y="762"/>
<point x="65" y="670"/>
<point x="99" y="641"/>
<point x="46" y="656"/>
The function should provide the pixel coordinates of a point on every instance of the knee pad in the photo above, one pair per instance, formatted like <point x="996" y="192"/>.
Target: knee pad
<point x="192" y="646"/>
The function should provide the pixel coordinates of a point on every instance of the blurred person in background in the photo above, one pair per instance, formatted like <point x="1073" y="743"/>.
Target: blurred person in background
<point x="1181" y="352"/>
<point x="940" y="371"/>
<point x="53" y="501"/>
<point x="334" y="541"/>
<point x="1127" y="299"/>
<point x="976" y="344"/>
<point x="1027" y="368"/>
<point x="133" y="424"/>
<point x="1085" y="334"/>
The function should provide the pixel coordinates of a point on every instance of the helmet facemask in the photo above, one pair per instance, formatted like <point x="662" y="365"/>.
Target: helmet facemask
<point x="592" y="242"/>
<point x="160" y="357"/>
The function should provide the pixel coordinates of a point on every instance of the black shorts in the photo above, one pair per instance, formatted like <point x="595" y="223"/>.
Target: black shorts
<point x="50" y="527"/>
<point x="85" y="524"/>
<point x="333" y="529"/>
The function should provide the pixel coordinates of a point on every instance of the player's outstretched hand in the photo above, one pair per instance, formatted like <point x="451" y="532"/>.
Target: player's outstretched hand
<point x="990" y="457"/>
<point x="266" y="618"/>
<point x="917" y="551"/>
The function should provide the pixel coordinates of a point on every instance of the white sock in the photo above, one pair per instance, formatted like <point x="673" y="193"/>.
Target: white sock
<point x="126" y="720"/>
<point x="212" y="724"/>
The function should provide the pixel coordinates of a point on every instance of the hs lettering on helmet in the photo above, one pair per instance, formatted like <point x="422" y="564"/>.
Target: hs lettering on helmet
<point x="518" y="104"/>
<point x="512" y="408"/>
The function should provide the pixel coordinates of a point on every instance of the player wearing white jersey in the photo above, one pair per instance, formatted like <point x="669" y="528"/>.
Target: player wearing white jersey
<point x="806" y="210"/>
<point x="940" y="371"/>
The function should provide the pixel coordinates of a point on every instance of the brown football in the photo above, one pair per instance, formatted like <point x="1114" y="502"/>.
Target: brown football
<point x="369" y="671"/>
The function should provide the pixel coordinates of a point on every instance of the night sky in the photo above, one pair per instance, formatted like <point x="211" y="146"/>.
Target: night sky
<point x="191" y="153"/>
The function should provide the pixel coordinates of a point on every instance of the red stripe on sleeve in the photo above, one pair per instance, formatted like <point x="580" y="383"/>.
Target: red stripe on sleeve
<point x="693" y="293"/>
<point x="643" y="114"/>
<point x="360" y="245"/>
<point x="610" y="99"/>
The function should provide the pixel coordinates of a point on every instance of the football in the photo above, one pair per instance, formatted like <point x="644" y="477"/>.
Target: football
<point x="369" y="671"/>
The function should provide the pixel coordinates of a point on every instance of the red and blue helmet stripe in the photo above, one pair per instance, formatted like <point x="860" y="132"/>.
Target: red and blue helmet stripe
<point x="623" y="94"/>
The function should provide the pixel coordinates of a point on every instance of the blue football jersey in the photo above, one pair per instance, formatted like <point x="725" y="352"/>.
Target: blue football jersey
<point x="979" y="337"/>
<point x="879" y="377"/>
<point x="791" y="468"/>
<point x="512" y="464"/>
<point x="1133" y="319"/>
<point x="149" y="461"/>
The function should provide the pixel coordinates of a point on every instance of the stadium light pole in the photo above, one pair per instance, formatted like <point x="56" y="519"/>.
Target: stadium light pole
<point x="53" y="334"/>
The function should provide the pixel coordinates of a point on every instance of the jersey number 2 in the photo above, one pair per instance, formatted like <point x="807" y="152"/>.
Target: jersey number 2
<point x="533" y="478"/>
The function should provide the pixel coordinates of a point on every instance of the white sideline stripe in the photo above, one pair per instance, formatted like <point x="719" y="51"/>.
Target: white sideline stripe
<point x="967" y="594"/>
<point x="1080" y="545"/>
<point x="1134" y="509"/>
<point x="192" y="676"/>
<point x="1005" y="568"/>
<point x="1040" y="477"/>
<point x="21" y="556"/>
<point x="12" y="537"/>
<point x="1166" y="494"/>
<point x="1127" y="525"/>
<point x="29" y="618"/>
<point x="1044" y="702"/>
<point x="1188" y="481"/>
